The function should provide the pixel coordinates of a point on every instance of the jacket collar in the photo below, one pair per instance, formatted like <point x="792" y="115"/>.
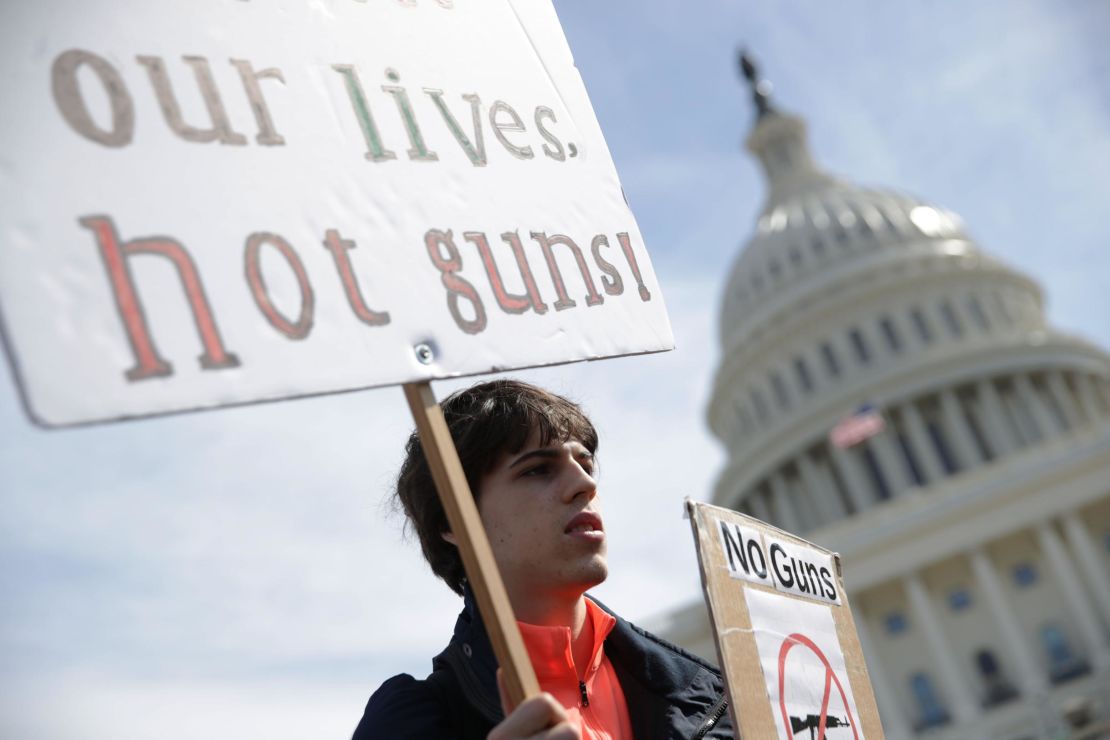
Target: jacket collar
<point x="470" y="657"/>
<point x="653" y="673"/>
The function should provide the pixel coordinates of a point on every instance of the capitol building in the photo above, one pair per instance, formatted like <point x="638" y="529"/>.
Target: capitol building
<point x="974" y="528"/>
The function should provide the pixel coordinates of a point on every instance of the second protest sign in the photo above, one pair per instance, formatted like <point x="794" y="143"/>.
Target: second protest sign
<point x="785" y="635"/>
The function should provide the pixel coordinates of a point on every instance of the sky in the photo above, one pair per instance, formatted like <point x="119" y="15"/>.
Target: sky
<point x="241" y="573"/>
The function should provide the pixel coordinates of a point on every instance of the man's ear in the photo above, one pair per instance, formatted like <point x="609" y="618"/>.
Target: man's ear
<point x="449" y="537"/>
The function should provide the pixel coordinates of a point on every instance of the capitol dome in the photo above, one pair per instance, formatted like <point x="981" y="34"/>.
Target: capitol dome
<point x="972" y="513"/>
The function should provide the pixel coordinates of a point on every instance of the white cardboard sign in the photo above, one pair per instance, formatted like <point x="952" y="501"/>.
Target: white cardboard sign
<point x="784" y="631"/>
<point x="226" y="201"/>
<point x="803" y="667"/>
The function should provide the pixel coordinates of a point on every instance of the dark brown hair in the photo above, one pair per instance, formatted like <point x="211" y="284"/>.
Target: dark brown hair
<point x="486" y="421"/>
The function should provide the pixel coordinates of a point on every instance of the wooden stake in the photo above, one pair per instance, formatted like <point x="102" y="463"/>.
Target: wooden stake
<point x="481" y="570"/>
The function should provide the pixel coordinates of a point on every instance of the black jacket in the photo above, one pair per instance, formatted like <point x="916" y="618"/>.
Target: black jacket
<point x="671" y="694"/>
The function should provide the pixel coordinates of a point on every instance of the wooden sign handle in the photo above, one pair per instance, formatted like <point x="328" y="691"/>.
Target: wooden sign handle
<point x="481" y="570"/>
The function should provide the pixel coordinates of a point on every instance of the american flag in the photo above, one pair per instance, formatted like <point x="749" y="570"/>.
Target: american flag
<point x="864" y="423"/>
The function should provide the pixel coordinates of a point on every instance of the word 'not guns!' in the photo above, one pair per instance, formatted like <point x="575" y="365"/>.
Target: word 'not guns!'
<point x="441" y="248"/>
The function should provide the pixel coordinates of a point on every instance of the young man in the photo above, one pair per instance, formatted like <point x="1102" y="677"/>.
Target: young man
<point x="529" y="458"/>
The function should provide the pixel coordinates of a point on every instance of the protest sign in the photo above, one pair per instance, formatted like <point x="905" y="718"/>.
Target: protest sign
<point x="227" y="201"/>
<point x="785" y="636"/>
<point x="224" y="201"/>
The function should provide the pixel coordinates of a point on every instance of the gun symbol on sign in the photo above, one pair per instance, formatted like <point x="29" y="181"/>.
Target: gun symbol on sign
<point x="813" y="721"/>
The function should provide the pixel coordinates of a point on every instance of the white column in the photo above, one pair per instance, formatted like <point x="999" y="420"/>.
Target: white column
<point x="876" y="343"/>
<point x="823" y="465"/>
<point x="1085" y="551"/>
<point x="1054" y="381"/>
<point x="1021" y="419"/>
<point x="1064" y="573"/>
<point x="959" y="308"/>
<point x="891" y="463"/>
<point x="955" y="424"/>
<point x="954" y="683"/>
<point x="845" y="352"/>
<point x="817" y="370"/>
<point x="896" y="726"/>
<point x="997" y="314"/>
<point x="825" y="376"/>
<point x="824" y="495"/>
<point x="851" y="473"/>
<point x="859" y="488"/>
<point x="1088" y="398"/>
<point x="1015" y="643"/>
<point x="1103" y="390"/>
<point x="922" y="444"/>
<point x="994" y="418"/>
<point x="1029" y="398"/>
<point x="783" y="507"/>
<point x="758" y="505"/>
<point x="906" y="332"/>
<point x="804" y="504"/>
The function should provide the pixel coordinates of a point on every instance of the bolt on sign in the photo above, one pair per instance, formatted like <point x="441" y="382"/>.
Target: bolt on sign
<point x="227" y="201"/>
<point x="785" y="636"/>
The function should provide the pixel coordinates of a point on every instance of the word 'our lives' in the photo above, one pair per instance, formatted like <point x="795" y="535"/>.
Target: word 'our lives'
<point x="78" y="74"/>
<point x="72" y="66"/>
<point x="785" y="566"/>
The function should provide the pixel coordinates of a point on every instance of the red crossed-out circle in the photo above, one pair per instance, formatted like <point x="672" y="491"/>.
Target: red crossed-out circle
<point x="830" y="679"/>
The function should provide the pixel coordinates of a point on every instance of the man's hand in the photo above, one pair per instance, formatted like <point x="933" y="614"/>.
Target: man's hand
<point x="538" y="718"/>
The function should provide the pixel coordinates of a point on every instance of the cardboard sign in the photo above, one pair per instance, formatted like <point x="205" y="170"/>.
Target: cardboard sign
<point x="227" y="201"/>
<point x="785" y="636"/>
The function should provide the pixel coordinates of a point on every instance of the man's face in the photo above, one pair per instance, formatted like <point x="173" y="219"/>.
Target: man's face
<point x="539" y="508"/>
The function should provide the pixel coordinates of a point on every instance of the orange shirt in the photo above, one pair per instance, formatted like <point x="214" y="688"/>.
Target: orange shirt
<point x="603" y="714"/>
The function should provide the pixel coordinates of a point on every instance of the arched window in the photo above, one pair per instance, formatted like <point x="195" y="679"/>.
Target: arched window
<point x="959" y="599"/>
<point x="1063" y="663"/>
<point x="997" y="689"/>
<point x="895" y="623"/>
<point x="1025" y="574"/>
<point x="931" y="710"/>
<point x="987" y="664"/>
